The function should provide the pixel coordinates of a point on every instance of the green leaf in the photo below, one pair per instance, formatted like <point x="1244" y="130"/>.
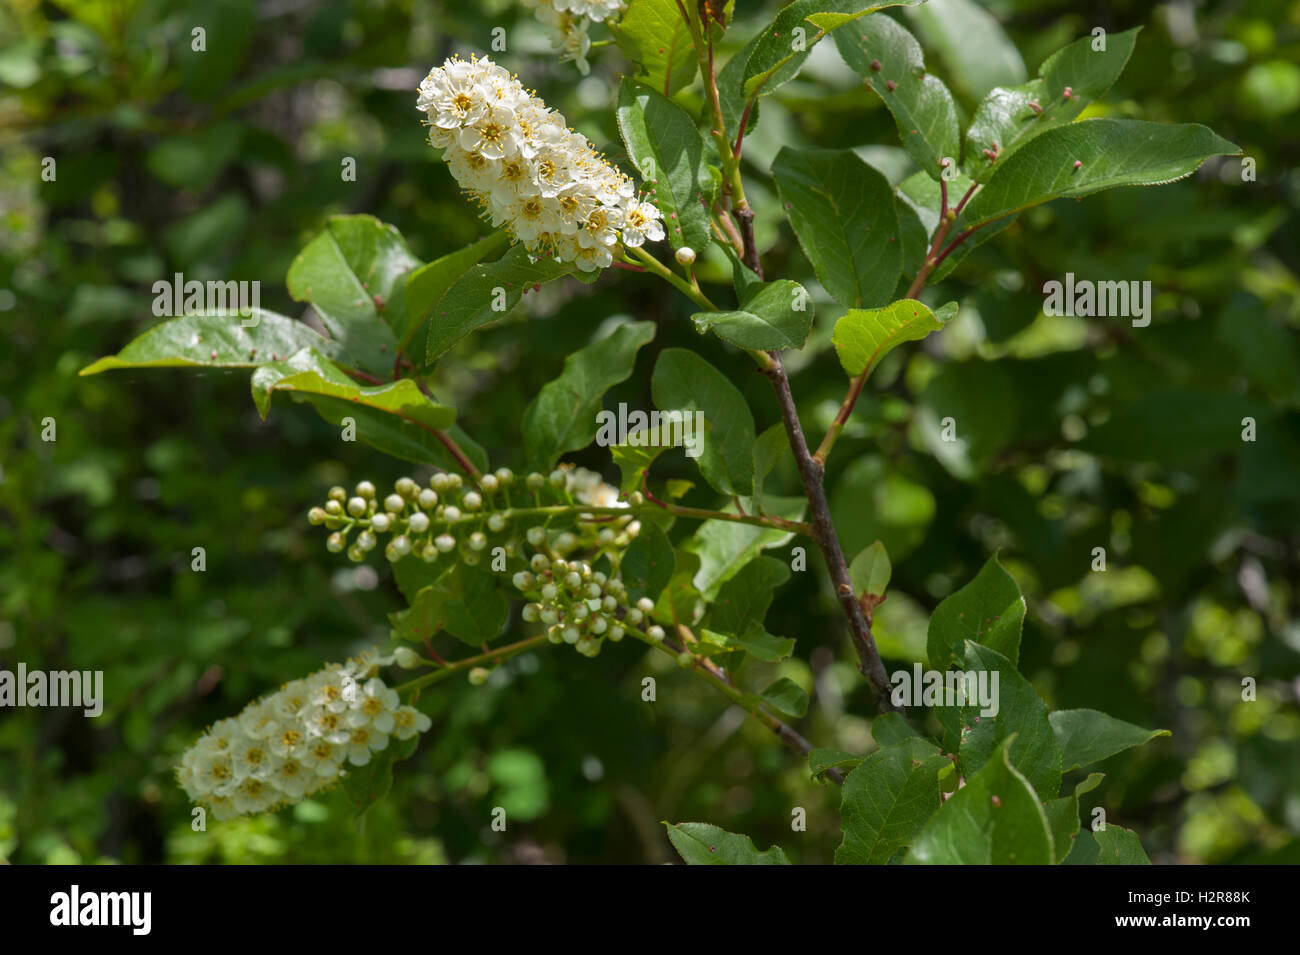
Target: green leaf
<point x="1005" y="120"/>
<point x="648" y="563"/>
<point x="1089" y="736"/>
<point x="922" y="106"/>
<point x="989" y="611"/>
<point x="465" y="602"/>
<point x="352" y="274"/>
<point x="771" y="448"/>
<point x="699" y="843"/>
<point x="191" y="340"/>
<point x="1111" y="152"/>
<point x="755" y="641"/>
<point x="890" y="729"/>
<point x="366" y="785"/>
<point x="995" y="819"/>
<point x="724" y="547"/>
<point x="1119" y="846"/>
<point x="887" y="800"/>
<point x="683" y="381"/>
<point x="777" y="53"/>
<point x="842" y="211"/>
<point x="563" y="416"/>
<point x="653" y="35"/>
<point x="821" y="760"/>
<point x="744" y="599"/>
<point x="869" y="573"/>
<point x="1063" y="817"/>
<point x="787" y="697"/>
<point x="485" y="293"/>
<point x="310" y="373"/>
<point x="864" y="336"/>
<point x="634" y="459"/>
<point x="426" y="286"/>
<point x="664" y="144"/>
<point x="772" y="316"/>
<point x="1021" y="716"/>
<point x="976" y="50"/>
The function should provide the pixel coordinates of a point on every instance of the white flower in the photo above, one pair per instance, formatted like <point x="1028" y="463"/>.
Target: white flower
<point x="526" y="170"/>
<point x="567" y="21"/>
<point x="296" y="741"/>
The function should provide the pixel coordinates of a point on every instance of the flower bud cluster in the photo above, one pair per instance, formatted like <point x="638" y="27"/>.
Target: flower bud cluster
<point x="298" y="740"/>
<point x="520" y="163"/>
<point x="581" y="606"/>
<point x="451" y="514"/>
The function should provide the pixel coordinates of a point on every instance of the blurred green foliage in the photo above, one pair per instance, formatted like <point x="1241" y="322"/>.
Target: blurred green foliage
<point x="1083" y="433"/>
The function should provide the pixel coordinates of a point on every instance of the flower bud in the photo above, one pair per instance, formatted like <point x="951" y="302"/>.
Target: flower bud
<point x="477" y="540"/>
<point x="380" y="523"/>
<point x="548" y="615"/>
<point x="488" y="483"/>
<point x="685" y="659"/>
<point x="505" y="476"/>
<point x="565" y="542"/>
<point x="440" y="482"/>
<point x="634" y="616"/>
<point x="445" y="542"/>
<point x="454" y="482"/>
<point x="497" y="523"/>
<point x="451" y="513"/>
<point x="479" y="675"/>
<point x="685" y="255"/>
<point x="366" y="541"/>
<point x="645" y="605"/>
<point x="406" y="487"/>
<point x="394" y="503"/>
<point x="615" y="633"/>
<point x="356" y="507"/>
<point x="418" y="522"/>
<point x="539" y="563"/>
<point x="338" y="494"/>
<point x="524" y="580"/>
<point x="333" y="508"/>
<point x="316" y="516"/>
<point x="402" y="545"/>
<point x="531" y="612"/>
<point x="472" y="501"/>
<point x="534" y="482"/>
<point x="571" y="635"/>
<point x="606" y="536"/>
<point x="573" y="580"/>
<point x="406" y="658"/>
<point x="598" y="625"/>
<point x="430" y="553"/>
<point x="428" y="499"/>
<point x="550" y="592"/>
<point x="367" y="490"/>
<point x="334" y="543"/>
<point x="655" y="633"/>
<point x="557" y="478"/>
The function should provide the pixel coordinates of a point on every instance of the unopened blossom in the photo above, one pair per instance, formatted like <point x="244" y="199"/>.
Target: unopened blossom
<point x="527" y="171"/>
<point x="296" y="741"/>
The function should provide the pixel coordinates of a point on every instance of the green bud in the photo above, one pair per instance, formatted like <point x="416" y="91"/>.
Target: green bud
<point x="406" y="487"/>
<point x="418" y="522"/>
<point x="636" y="499"/>
<point x="539" y="563"/>
<point x="536" y="536"/>
<point x="316" y="516"/>
<point x="428" y="499"/>
<point x="451" y="513"/>
<point x="380" y="523"/>
<point x="524" y="580"/>
<point x="571" y="635"/>
<point x="580" y="612"/>
<point x="573" y="580"/>
<point x="531" y="612"/>
<point x="454" y="482"/>
<point x="472" y="501"/>
<point x="598" y="625"/>
<point x="609" y="603"/>
<point x="505" y="476"/>
<point x="440" y="482"/>
<point x="548" y="615"/>
<point x="685" y="659"/>
<point x="615" y="633"/>
<point x="478" y="676"/>
<point x="394" y="503"/>
<point x="445" y="542"/>
<point x="337" y="494"/>
<point x="634" y="616"/>
<point x="655" y="633"/>
<point x="606" y="536"/>
<point x="430" y="553"/>
<point x="356" y="554"/>
<point x="406" y="658"/>
<point x="565" y="542"/>
<point x="402" y="545"/>
<point x="593" y="589"/>
<point x="488" y="483"/>
<point x="550" y="592"/>
<point x="356" y="507"/>
<point x="645" y="605"/>
<point x="497" y="523"/>
<point x="557" y="479"/>
<point x="335" y="542"/>
<point x="555" y="634"/>
<point x="366" y="541"/>
<point x="333" y="508"/>
<point x="477" y="540"/>
<point x="367" y="490"/>
<point x="534" y="482"/>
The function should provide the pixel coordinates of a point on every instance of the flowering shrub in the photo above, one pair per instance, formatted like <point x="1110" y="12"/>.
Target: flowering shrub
<point x="969" y="764"/>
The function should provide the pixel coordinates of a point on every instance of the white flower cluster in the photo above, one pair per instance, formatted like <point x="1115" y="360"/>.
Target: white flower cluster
<point x="567" y="21"/>
<point x="528" y="171"/>
<point x="296" y="741"/>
